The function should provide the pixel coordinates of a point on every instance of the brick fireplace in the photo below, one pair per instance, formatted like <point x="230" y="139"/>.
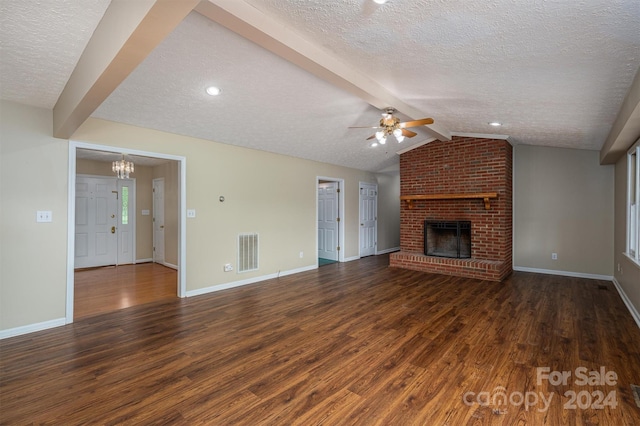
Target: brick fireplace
<point x="465" y="179"/>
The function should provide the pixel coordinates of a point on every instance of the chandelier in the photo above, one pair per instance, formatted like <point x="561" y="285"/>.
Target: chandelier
<point x="122" y="168"/>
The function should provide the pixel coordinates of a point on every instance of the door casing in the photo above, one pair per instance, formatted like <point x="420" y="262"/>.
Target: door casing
<point x="341" y="209"/>
<point x="71" y="194"/>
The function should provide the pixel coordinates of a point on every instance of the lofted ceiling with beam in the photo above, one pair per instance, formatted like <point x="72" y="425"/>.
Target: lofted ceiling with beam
<point x="295" y="75"/>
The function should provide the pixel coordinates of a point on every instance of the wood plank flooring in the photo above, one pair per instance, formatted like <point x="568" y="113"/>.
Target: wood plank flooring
<point x="107" y="289"/>
<point x="354" y="343"/>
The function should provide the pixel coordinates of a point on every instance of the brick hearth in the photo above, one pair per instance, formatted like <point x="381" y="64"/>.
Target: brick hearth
<point x="460" y="166"/>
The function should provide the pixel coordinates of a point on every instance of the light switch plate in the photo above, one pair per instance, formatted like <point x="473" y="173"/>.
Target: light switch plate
<point x="191" y="213"/>
<point x="146" y="212"/>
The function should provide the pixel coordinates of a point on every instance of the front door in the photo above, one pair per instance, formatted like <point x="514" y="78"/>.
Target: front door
<point x="368" y="218"/>
<point x="328" y="219"/>
<point x="96" y="240"/>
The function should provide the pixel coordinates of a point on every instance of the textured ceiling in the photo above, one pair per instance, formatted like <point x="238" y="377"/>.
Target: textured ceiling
<point x="554" y="73"/>
<point x="41" y="42"/>
<point x="109" y="157"/>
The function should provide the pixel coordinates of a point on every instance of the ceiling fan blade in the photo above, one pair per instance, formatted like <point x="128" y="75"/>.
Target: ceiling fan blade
<point x="365" y="127"/>
<point x="371" y="137"/>
<point x="416" y="123"/>
<point x="408" y="133"/>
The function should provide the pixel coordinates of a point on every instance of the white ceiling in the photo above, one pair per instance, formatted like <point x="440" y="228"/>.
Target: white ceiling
<point x="555" y="73"/>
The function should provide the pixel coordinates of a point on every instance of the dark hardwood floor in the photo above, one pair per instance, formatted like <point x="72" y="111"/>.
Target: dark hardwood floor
<point x="109" y="288"/>
<point x="351" y="343"/>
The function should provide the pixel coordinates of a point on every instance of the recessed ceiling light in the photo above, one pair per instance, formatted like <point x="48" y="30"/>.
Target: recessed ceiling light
<point x="213" y="91"/>
<point x="495" y="123"/>
<point x="380" y="1"/>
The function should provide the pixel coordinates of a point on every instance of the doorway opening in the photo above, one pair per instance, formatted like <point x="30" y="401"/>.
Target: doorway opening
<point x="133" y="274"/>
<point x="330" y="226"/>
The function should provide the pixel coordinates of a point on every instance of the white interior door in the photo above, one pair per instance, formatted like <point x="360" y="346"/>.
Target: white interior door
<point x="126" y="221"/>
<point x="158" y="220"/>
<point x="96" y="221"/>
<point x="328" y="220"/>
<point x="368" y="218"/>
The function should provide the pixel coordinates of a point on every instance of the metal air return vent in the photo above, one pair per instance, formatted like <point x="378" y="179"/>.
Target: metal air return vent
<point x="247" y="252"/>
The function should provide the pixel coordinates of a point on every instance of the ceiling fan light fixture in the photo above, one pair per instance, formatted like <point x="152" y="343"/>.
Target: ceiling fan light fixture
<point x="382" y="140"/>
<point x="400" y="138"/>
<point x="380" y="135"/>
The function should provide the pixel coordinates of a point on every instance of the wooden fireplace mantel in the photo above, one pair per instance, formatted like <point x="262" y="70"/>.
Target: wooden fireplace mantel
<point x="486" y="196"/>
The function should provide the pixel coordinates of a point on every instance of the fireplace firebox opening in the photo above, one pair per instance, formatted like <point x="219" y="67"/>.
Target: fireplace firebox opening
<point x="447" y="239"/>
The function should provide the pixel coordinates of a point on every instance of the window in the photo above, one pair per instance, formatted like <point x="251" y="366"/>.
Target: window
<point x="125" y="205"/>
<point x="633" y="203"/>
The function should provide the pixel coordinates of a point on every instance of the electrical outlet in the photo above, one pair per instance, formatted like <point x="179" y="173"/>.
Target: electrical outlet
<point x="43" y="216"/>
<point x="301" y="254"/>
<point x="228" y="267"/>
<point x="191" y="213"/>
<point x="554" y="256"/>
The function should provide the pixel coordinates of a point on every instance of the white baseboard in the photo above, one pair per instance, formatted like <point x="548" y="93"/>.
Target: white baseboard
<point x="144" y="260"/>
<point x="32" y="328"/>
<point x="627" y="301"/>
<point x="170" y="265"/>
<point x="351" y="259"/>
<point x="564" y="273"/>
<point x="253" y="280"/>
<point x="391" y="250"/>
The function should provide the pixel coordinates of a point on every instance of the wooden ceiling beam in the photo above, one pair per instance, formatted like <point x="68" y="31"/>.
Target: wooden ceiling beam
<point x="127" y="33"/>
<point x="259" y="28"/>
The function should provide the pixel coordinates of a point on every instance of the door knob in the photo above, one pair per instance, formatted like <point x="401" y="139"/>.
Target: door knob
<point x="113" y="229"/>
<point x="161" y="226"/>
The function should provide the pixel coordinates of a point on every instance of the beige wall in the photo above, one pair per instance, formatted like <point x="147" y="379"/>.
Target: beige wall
<point x="388" y="211"/>
<point x="563" y="203"/>
<point x="142" y="176"/>
<point x="33" y="256"/>
<point x="626" y="272"/>
<point x="271" y="194"/>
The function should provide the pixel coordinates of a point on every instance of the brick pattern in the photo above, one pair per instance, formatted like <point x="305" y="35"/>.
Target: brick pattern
<point x="462" y="165"/>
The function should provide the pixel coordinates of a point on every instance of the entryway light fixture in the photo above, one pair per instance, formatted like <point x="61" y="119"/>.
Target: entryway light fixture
<point x="122" y="168"/>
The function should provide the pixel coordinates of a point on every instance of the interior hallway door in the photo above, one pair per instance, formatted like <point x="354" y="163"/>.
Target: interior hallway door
<point x="328" y="220"/>
<point x="158" y="220"/>
<point x="368" y="218"/>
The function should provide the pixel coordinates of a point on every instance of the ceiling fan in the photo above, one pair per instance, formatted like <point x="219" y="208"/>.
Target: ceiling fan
<point x="390" y="125"/>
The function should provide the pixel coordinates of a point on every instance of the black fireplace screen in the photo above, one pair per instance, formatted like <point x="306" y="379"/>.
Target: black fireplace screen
<point x="447" y="239"/>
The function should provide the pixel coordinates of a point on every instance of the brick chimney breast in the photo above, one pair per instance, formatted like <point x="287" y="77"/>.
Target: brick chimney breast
<point x="460" y="166"/>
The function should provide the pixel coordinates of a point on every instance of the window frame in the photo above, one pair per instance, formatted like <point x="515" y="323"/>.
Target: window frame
<point x="632" y="244"/>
